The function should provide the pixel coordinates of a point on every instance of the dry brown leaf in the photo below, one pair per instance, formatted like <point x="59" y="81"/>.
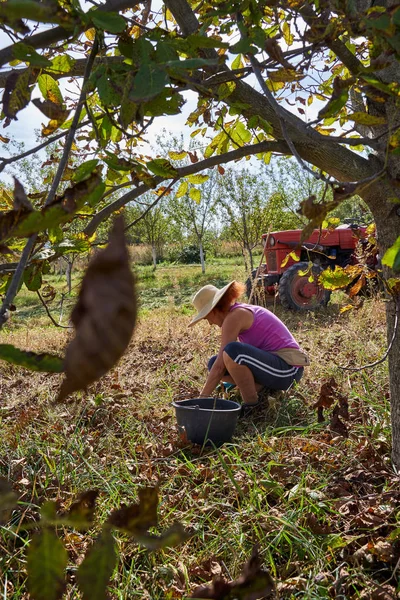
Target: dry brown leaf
<point x="104" y="316"/>
<point x="254" y="583"/>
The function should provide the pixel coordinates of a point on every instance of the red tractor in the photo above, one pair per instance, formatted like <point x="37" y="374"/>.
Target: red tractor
<point x="297" y="281"/>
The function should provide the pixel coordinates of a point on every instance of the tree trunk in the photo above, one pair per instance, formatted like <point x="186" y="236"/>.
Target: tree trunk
<point x="68" y="273"/>
<point x="245" y="261"/>
<point x="154" y="256"/>
<point x="387" y="222"/>
<point x="249" y="250"/>
<point x="203" y="264"/>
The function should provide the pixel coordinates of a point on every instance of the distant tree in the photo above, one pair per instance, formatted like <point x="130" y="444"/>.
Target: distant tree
<point x="149" y="226"/>
<point x="242" y="203"/>
<point x="191" y="208"/>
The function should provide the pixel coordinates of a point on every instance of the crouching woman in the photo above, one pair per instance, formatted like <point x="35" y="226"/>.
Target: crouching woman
<point x="257" y="350"/>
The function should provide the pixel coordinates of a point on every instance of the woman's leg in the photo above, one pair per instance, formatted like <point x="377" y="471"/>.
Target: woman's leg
<point x="243" y="378"/>
<point x="250" y="366"/>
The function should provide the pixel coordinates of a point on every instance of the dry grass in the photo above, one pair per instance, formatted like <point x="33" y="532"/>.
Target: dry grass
<point x="308" y="497"/>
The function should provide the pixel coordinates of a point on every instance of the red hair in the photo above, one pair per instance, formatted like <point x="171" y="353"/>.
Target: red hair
<point x="234" y="292"/>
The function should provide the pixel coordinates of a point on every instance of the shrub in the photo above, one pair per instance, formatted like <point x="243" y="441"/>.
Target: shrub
<point x="189" y="254"/>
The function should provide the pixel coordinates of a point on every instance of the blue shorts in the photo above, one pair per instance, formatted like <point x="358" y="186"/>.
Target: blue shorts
<point x="268" y="369"/>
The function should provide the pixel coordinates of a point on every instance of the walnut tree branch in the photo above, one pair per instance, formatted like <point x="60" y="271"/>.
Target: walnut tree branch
<point x="267" y="146"/>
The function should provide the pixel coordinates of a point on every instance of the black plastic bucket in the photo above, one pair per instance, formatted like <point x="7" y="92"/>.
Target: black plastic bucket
<point x="207" y="420"/>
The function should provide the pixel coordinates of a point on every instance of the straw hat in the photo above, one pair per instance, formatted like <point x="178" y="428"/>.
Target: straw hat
<point x="206" y="299"/>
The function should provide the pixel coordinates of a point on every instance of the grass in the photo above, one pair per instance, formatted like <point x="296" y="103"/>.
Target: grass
<point x="323" y="508"/>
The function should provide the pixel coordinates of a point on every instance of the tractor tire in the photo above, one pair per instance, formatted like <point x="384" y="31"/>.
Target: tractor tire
<point x="296" y="292"/>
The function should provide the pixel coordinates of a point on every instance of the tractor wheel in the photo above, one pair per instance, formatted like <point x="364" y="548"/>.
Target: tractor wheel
<point x="296" y="292"/>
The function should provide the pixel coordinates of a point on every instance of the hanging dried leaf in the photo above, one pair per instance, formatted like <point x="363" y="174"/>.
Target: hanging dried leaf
<point x="51" y="109"/>
<point x="137" y="518"/>
<point x="81" y="511"/>
<point x="17" y="92"/>
<point x="253" y="584"/>
<point x="104" y="316"/>
<point x="9" y="220"/>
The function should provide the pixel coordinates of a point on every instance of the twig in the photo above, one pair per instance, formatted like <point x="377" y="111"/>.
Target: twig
<point x="15" y="282"/>
<point x="386" y="354"/>
<point x="50" y="315"/>
<point x="208" y="163"/>
<point x="153" y="204"/>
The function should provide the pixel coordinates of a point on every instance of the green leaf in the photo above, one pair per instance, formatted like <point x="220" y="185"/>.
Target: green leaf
<point x="17" y="92"/>
<point x="240" y="134"/>
<point x="28" y="54"/>
<point x="167" y="102"/>
<point x="95" y="571"/>
<point x="62" y="64"/>
<point x="73" y="246"/>
<point x="50" y="89"/>
<point x="199" y="178"/>
<point x="335" y="104"/>
<point x="63" y="209"/>
<point x="33" y="277"/>
<point x="191" y="63"/>
<point x="108" y="94"/>
<point x="366" y="119"/>
<point x="162" y="167"/>
<point x="85" y="170"/>
<point x="149" y="81"/>
<point x="109" y="21"/>
<point x="195" y="195"/>
<point x="46" y="562"/>
<point x="201" y="41"/>
<point x="46" y="363"/>
<point x="391" y="258"/>
<point x="237" y="63"/>
<point x="182" y="189"/>
<point x="243" y="46"/>
<point x="335" y="280"/>
<point x="226" y="89"/>
<point x="42" y="12"/>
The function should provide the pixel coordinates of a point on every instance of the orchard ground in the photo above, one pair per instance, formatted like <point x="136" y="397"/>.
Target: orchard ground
<point x="319" y="498"/>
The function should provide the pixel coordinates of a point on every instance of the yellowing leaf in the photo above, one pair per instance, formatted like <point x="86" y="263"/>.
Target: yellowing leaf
<point x="195" y="195"/>
<point x="284" y="75"/>
<point x="346" y="308"/>
<point x="90" y="34"/>
<point x="287" y="34"/>
<point x="182" y="189"/>
<point x="366" y="119"/>
<point x="199" y="178"/>
<point x="290" y="255"/>
<point x="177" y="155"/>
<point x="274" y="86"/>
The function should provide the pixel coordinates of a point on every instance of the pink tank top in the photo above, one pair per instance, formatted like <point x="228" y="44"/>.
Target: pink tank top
<point x="267" y="331"/>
